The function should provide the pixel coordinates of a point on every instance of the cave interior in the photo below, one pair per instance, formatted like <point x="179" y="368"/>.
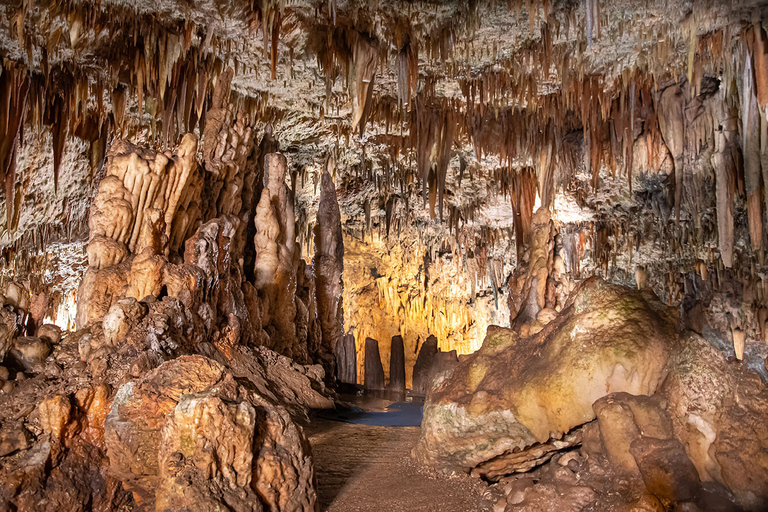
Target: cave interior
<point x="383" y="255"/>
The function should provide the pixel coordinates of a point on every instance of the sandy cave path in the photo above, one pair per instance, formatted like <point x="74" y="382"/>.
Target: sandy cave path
<point x="369" y="468"/>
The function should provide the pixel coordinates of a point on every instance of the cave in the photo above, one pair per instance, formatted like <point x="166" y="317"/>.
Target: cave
<point x="383" y="255"/>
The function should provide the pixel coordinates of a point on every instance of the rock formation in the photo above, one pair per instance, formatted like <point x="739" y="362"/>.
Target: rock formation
<point x="329" y="262"/>
<point x="374" y="371"/>
<point x="275" y="269"/>
<point x="167" y="397"/>
<point x="555" y="211"/>
<point x="516" y="392"/>
<point x="397" y="365"/>
<point x="346" y="360"/>
<point x="421" y="369"/>
<point x="189" y="435"/>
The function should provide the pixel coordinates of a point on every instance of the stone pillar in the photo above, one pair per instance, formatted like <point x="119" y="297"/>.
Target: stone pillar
<point x="423" y="362"/>
<point x="275" y="271"/>
<point x="397" y="364"/>
<point x="346" y="360"/>
<point x="329" y="263"/>
<point x="374" y="371"/>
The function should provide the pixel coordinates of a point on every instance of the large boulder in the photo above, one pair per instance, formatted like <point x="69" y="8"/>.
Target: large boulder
<point x="190" y="436"/>
<point x="516" y="392"/>
<point x="719" y="412"/>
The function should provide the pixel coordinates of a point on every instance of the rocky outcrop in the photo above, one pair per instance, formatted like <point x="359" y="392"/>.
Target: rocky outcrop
<point x="718" y="410"/>
<point x="173" y="342"/>
<point x="517" y="392"/>
<point x="190" y="435"/>
<point x="627" y="412"/>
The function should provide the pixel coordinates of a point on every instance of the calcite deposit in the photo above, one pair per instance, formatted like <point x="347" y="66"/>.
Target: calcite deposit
<point x="544" y="221"/>
<point x="519" y="391"/>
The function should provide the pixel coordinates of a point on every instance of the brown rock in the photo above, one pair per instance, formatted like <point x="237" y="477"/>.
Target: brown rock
<point x="346" y="359"/>
<point x="49" y="333"/>
<point x="329" y="262"/>
<point x="397" y="364"/>
<point x="13" y="437"/>
<point x="718" y="411"/>
<point x="666" y="470"/>
<point x="189" y="435"/>
<point x="374" y="371"/>
<point x="55" y="413"/>
<point x="622" y="418"/>
<point x="423" y="363"/>
<point x="29" y="351"/>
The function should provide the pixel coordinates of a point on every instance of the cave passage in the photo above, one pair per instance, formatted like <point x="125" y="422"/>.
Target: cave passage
<point x="364" y="467"/>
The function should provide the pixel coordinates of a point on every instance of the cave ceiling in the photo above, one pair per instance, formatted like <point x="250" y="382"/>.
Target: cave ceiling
<point x="440" y="114"/>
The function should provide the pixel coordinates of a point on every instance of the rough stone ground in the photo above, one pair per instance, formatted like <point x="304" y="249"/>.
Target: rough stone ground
<point x="363" y="468"/>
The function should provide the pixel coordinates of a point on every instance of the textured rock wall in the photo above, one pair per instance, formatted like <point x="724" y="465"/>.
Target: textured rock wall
<point x="167" y="396"/>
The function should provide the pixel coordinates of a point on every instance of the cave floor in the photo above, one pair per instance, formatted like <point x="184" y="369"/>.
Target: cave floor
<point x="369" y="468"/>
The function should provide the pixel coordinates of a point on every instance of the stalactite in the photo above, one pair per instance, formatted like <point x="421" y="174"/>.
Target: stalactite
<point x="14" y="89"/>
<point x="761" y="65"/>
<point x="276" y="25"/>
<point x="670" y="111"/>
<point x="407" y="74"/>
<point x="59" y="130"/>
<point x="523" y="198"/>
<point x="589" y="15"/>
<point x="751" y="152"/>
<point x="365" y="60"/>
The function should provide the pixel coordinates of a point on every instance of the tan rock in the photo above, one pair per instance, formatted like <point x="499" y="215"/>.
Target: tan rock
<point x="7" y="330"/>
<point x="146" y="277"/>
<point x="55" y="415"/>
<point x="50" y="333"/>
<point x="607" y="339"/>
<point x="17" y="296"/>
<point x="188" y="433"/>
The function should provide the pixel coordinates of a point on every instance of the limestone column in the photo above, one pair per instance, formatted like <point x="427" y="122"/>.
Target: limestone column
<point x="397" y="364"/>
<point x="423" y="362"/>
<point x="329" y="263"/>
<point x="346" y="359"/>
<point x="374" y="371"/>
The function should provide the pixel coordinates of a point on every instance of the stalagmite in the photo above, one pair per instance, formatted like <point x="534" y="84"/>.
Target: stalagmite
<point x="423" y="364"/>
<point x="374" y="371"/>
<point x="346" y="359"/>
<point x="397" y="365"/>
<point x="724" y="162"/>
<point x="671" y="108"/>
<point x="275" y="243"/>
<point x="329" y="262"/>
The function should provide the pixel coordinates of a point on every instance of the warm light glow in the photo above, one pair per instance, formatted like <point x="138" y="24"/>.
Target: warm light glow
<point x="64" y="316"/>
